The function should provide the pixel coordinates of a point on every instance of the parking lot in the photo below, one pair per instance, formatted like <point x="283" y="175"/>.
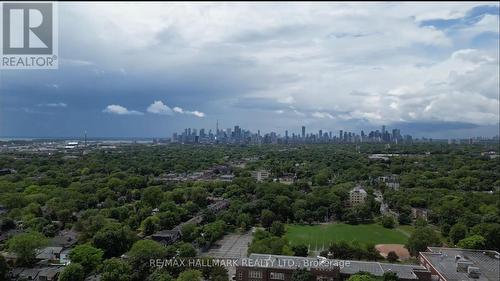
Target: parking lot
<point x="232" y="246"/>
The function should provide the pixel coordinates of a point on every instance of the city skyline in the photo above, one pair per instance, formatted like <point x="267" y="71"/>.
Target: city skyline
<point x="239" y="135"/>
<point x="431" y="70"/>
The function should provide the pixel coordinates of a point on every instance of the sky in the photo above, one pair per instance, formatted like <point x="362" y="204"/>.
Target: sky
<point x="151" y="69"/>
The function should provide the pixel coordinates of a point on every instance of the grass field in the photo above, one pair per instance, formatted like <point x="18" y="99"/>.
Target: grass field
<point x="406" y="229"/>
<point x="319" y="236"/>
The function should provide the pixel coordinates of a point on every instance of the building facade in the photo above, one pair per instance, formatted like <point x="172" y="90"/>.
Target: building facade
<point x="275" y="267"/>
<point x="357" y="196"/>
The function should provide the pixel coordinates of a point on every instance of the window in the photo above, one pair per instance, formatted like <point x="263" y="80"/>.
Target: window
<point x="255" y="274"/>
<point x="277" y="276"/>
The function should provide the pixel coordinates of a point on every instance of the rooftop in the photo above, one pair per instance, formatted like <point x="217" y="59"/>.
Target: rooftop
<point x="347" y="267"/>
<point x="445" y="261"/>
<point x="358" y="189"/>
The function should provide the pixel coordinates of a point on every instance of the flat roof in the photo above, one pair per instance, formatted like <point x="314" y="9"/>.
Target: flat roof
<point x="346" y="266"/>
<point x="444" y="261"/>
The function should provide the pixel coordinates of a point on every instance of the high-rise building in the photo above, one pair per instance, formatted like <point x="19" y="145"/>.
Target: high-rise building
<point x="303" y="132"/>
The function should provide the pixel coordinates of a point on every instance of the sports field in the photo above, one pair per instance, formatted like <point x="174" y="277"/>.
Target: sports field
<point x="320" y="236"/>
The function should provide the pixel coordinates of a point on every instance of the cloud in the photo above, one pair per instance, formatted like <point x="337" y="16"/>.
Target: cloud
<point x="120" y="110"/>
<point x="195" y="112"/>
<point x="322" y="115"/>
<point x="76" y="62"/>
<point x="54" y="85"/>
<point x="363" y="64"/>
<point x="58" y="104"/>
<point x="158" y="107"/>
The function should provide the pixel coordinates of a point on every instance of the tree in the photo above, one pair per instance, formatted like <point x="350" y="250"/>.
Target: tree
<point x="188" y="232"/>
<point x="190" y="275"/>
<point x="153" y="196"/>
<point x="266" y="218"/>
<point x="362" y="277"/>
<point x="160" y="275"/>
<point x="244" y="221"/>
<point x="219" y="273"/>
<point x="72" y="272"/>
<point x="25" y="246"/>
<point x="421" y="238"/>
<point x="392" y="256"/>
<point x="114" y="240"/>
<point x="300" y="250"/>
<point x="141" y="253"/>
<point x="457" y="232"/>
<point x="390" y="276"/>
<point x="115" y="270"/>
<point x="490" y="232"/>
<point x="321" y="178"/>
<point x="405" y="215"/>
<point x="277" y="228"/>
<point x="186" y="250"/>
<point x="301" y="275"/>
<point x="87" y="256"/>
<point x="150" y="225"/>
<point x="265" y="243"/>
<point x="475" y="241"/>
<point x="388" y="222"/>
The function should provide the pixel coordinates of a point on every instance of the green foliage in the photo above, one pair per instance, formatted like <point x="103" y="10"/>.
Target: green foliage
<point x="87" y="256"/>
<point x="457" y="232"/>
<point x="363" y="277"/>
<point x="300" y="250"/>
<point x="24" y="245"/>
<point x="404" y="215"/>
<point x="390" y="276"/>
<point x="114" y="240"/>
<point x="190" y="275"/>
<point x="266" y="218"/>
<point x="141" y="253"/>
<point x="72" y="272"/>
<point x="115" y="269"/>
<point x="108" y="196"/>
<point x="317" y="236"/>
<point x="277" y="228"/>
<point x="150" y="225"/>
<point x="219" y="273"/>
<point x="186" y="250"/>
<point x="264" y="242"/>
<point x="189" y="232"/>
<point x="422" y="238"/>
<point x="491" y="232"/>
<point x="387" y="222"/>
<point x="153" y="196"/>
<point x="352" y="250"/>
<point x="160" y="275"/>
<point x="475" y="241"/>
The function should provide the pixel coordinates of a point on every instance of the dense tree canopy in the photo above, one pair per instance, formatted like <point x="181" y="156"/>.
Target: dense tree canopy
<point x="116" y="198"/>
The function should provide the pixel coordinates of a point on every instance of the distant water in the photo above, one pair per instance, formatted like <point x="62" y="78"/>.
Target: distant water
<point x="100" y="139"/>
<point x="15" y="139"/>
